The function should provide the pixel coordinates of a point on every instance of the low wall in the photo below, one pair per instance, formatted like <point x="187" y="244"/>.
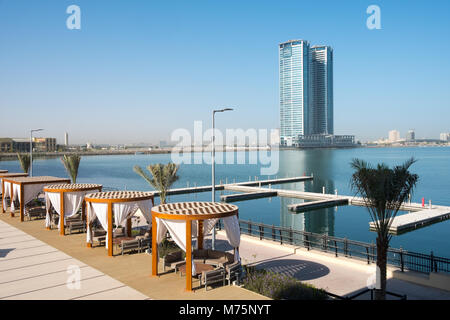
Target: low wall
<point x="434" y="279"/>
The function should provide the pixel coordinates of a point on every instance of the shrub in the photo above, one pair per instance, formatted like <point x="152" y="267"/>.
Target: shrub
<point x="279" y="286"/>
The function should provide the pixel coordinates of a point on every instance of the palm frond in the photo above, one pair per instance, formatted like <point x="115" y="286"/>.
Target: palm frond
<point x="24" y="160"/>
<point x="162" y="177"/>
<point x="72" y="163"/>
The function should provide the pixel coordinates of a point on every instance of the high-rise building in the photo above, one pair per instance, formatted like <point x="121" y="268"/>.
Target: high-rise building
<point x="306" y="91"/>
<point x="66" y="139"/>
<point x="445" y="136"/>
<point x="294" y="90"/>
<point x="321" y="86"/>
<point x="394" y="136"/>
<point x="410" y="135"/>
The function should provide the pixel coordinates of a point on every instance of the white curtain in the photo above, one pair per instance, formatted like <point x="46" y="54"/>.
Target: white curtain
<point x="146" y="209"/>
<point x="99" y="210"/>
<point x="91" y="217"/>
<point x="208" y="225"/>
<point x="123" y="211"/>
<point x="177" y="230"/>
<point x="72" y="203"/>
<point x="30" y="191"/>
<point x="7" y="193"/>
<point x="233" y="233"/>
<point x="48" y="217"/>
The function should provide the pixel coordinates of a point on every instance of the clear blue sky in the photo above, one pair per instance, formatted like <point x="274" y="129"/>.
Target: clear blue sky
<point x="137" y="70"/>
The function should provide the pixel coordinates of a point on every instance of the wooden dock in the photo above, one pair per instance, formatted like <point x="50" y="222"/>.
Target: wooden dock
<point x="315" y="205"/>
<point x="248" y="196"/>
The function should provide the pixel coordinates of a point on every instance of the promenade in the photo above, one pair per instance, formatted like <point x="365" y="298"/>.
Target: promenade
<point x="34" y="261"/>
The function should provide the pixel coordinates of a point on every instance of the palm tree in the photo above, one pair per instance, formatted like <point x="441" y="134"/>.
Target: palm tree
<point x="71" y="163"/>
<point x="384" y="190"/>
<point x="163" y="176"/>
<point x="24" y="160"/>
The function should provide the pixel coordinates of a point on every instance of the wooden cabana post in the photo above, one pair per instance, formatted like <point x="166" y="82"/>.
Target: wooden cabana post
<point x="188" y="211"/>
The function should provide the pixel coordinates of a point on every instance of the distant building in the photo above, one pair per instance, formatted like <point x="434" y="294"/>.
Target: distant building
<point x="444" y="136"/>
<point x="88" y="145"/>
<point x="66" y="139"/>
<point x="324" y="140"/>
<point x="394" y="136"/>
<point x="162" y="144"/>
<point x="411" y="135"/>
<point x="274" y="137"/>
<point x="44" y="144"/>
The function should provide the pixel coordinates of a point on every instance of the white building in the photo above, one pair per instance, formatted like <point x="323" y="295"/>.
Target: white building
<point x="445" y="136"/>
<point x="394" y="136"/>
<point x="66" y="139"/>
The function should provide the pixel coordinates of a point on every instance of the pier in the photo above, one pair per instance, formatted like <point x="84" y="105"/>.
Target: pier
<point x="417" y="217"/>
<point x="315" y="205"/>
<point x="248" y="196"/>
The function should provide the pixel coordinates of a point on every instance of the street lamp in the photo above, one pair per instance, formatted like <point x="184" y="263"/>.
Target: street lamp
<point x="213" y="242"/>
<point x="31" y="149"/>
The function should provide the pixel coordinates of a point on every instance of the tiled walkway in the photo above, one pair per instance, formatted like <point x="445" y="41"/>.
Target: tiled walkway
<point x="31" y="269"/>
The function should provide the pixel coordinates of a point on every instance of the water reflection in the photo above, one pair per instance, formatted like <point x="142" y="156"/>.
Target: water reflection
<point x="316" y="162"/>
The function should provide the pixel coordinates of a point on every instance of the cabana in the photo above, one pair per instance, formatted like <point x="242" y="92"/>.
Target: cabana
<point x="27" y="188"/>
<point x="177" y="218"/>
<point x="7" y="187"/>
<point x="67" y="199"/>
<point x="117" y="207"/>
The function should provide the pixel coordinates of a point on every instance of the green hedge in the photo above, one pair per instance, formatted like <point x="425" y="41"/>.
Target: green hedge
<point x="279" y="286"/>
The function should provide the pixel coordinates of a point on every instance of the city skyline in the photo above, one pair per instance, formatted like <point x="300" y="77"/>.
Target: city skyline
<point x="134" y="73"/>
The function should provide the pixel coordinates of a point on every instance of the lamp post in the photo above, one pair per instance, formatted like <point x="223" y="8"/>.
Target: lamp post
<point x="31" y="149"/>
<point x="213" y="241"/>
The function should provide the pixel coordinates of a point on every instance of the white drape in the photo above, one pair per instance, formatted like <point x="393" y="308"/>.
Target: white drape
<point x="99" y="210"/>
<point x="30" y="191"/>
<point x="6" y="192"/>
<point x="233" y="233"/>
<point x="72" y="203"/>
<point x="123" y="211"/>
<point x="177" y="230"/>
<point x="91" y="217"/>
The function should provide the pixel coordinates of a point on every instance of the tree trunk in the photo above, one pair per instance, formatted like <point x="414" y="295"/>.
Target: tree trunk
<point x="382" y="246"/>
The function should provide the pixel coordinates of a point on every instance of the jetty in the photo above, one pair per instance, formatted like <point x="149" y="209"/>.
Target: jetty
<point x="222" y="186"/>
<point x="248" y="196"/>
<point x="315" y="205"/>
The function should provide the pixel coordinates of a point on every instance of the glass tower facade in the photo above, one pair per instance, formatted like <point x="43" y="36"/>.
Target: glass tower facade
<point x="306" y="90"/>
<point x="294" y="89"/>
<point x="321" y="90"/>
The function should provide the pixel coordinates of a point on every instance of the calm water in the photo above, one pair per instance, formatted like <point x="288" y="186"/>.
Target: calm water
<point x="330" y="167"/>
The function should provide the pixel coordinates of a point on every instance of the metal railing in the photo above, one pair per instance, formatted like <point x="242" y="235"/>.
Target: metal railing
<point x="404" y="260"/>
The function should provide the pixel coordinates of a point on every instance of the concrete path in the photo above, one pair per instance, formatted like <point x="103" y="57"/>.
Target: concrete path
<point x="341" y="276"/>
<point x="31" y="269"/>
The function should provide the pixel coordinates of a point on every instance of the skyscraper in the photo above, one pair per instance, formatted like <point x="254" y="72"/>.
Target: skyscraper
<point x="306" y="91"/>
<point x="294" y="90"/>
<point x="66" y="139"/>
<point x="321" y="97"/>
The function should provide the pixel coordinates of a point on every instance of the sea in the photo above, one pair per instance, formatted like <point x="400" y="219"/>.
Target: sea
<point x="330" y="168"/>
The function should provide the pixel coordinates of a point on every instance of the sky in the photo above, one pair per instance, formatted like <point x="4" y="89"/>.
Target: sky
<point x="138" y="70"/>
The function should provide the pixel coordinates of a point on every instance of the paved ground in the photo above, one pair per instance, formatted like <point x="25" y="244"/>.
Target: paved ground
<point x="31" y="269"/>
<point x="132" y="270"/>
<point x="34" y="253"/>
<point x="341" y="276"/>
